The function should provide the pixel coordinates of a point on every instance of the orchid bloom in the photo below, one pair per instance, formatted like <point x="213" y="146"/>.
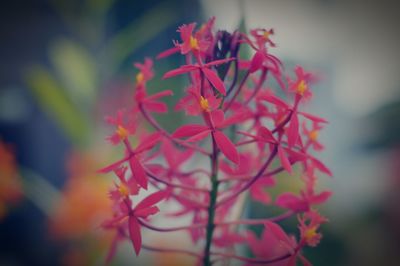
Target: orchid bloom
<point x="133" y="157"/>
<point x="145" y="73"/>
<point x="313" y="135"/>
<point x="123" y="128"/>
<point x="216" y="123"/>
<point x="142" y="210"/>
<point x="210" y="75"/>
<point x="308" y="230"/>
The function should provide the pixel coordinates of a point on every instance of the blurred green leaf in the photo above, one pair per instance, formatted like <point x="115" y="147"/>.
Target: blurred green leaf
<point x="139" y="32"/>
<point x="51" y="97"/>
<point x="76" y="69"/>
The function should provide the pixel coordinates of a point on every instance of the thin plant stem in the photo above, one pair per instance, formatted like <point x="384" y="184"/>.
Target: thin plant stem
<point x="252" y="180"/>
<point x="213" y="200"/>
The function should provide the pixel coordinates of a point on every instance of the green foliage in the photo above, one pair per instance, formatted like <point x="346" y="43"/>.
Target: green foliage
<point x="51" y="96"/>
<point x="76" y="69"/>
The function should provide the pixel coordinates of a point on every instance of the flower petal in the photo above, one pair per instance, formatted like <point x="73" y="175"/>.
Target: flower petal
<point x="168" y="52"/>
<point x="320" y="166"/>
<point x="151" y="200"/>
<point x="293" y="130"/>
<point x="217" y="117"/>
<point x="313" y="118"/>
<point x="112" y="166"/>
<point x="159" y="95"/>
<point x="179" y="71"/>
<point x="284" y="160"/>
<point x="219" y="62"/>
<point x="226" y="146"/>
<point x="258" y="193"/>
<point x="321" y="197"/>
<point x="256" y="62"/>
<point x="199" y="136"/>
<point x="278" y="232"/>
<point x="148" y="142"/>
<point x="113" y="248"/>
<point x="134" y="234"/>
<point x="291" y="201"/>
<point x="274" y="100"/>
<point x="157" y="107"/>
<point x="138" y="172"/>
<point x="266" y="135"/>
<point x="189" y="130"/>
<point x="146" y="211"/>
<point x="214" y="80"/>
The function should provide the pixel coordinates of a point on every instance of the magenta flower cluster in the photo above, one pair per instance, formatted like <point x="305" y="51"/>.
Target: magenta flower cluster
<point x="247" y="130"/>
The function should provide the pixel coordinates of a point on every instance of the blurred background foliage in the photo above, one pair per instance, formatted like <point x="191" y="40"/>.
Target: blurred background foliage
<point x="67" y="63"/>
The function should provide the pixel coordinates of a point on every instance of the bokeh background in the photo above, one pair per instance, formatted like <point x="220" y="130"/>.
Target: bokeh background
<point x="67" y="63"/>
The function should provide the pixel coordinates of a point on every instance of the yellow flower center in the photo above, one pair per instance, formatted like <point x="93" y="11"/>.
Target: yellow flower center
<point x="313" y="135"/>
<point x="302" y="87"/>
<point x="139" y="78"/>
<point x="123" y="190"/>
<point x="204" y="104"/>
<point x="310" y="233"/>
<point x="122" y="132"/>
<point x="194" y="44"/>
<point x="266" y="34"/>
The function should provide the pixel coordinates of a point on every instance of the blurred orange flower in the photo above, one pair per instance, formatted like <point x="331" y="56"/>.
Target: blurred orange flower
<point x="79" y="212"/>
<point x="10" y="183"/>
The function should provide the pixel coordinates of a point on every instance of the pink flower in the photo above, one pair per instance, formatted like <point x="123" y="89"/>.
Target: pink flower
<point x="301" y="85"/>
<point x="191" y="43"/>
<point x="303" y="202"/>
<point x="143" y="209"/>
<point x="210" y="75"/>
<point x="275" y="243"/>
<point x="145" y="74"/>
<point x="194" y="103"/>
<point x="309" y="224"/>
<point x="125" y="188"/>
<point x="133" y="157"/>
<point x="151" y="102"/>
<point x="265" y="135"/>
<point x="216" y="123"/>
<point x="253" y="134"/>
<point x="312" y="136"/>
<point x="123" y="128"/>
<point x="196" y="43"/>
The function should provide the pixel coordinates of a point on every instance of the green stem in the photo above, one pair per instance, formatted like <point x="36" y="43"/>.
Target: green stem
<point x="213" y="200"/>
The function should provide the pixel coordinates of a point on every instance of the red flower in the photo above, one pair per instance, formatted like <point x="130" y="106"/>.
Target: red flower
<point x="217" y="122"/>
<point x="198" y="42"/>
<point x="190" y="43"/>
<point x="301" y="85"/>
<point x="309" y="224"/>
<point x="195" y="104"/>
<point x="125" y="188"/>
<point x="227" y="94"/>
<point x="210" y="75"/>
<point x="145" y="74"/>
<point x="150" y="102"/>
<point x="143" y="209"/>
<point x="123" y="128"/>
<point x="312" y="136"/>
<point x="133" y="157"/>
<point x="275" y="243"/>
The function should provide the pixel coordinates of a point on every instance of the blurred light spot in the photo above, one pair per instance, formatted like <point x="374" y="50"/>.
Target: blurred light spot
<point x="13" y="105"/>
